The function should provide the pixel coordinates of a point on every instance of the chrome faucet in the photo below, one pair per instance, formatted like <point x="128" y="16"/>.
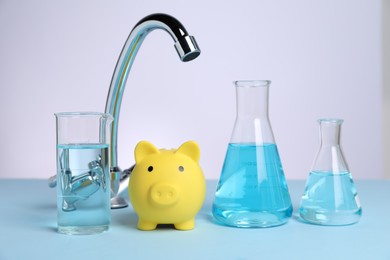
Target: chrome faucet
<point x="187" y="49"/>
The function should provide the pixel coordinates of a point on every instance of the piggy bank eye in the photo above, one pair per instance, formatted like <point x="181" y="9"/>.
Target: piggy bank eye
<point x="181" y="168"/>
<point x="150" y="168"/>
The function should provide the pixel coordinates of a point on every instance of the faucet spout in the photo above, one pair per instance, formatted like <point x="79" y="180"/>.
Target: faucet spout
<point x="187" y="49"/>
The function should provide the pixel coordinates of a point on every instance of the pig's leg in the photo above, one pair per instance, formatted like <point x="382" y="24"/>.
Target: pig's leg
<point x="186" y="225"/>
<point x="146" y="225"/>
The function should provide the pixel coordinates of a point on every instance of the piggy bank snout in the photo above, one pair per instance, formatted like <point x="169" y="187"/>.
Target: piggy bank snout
<point x="164" y="194"/>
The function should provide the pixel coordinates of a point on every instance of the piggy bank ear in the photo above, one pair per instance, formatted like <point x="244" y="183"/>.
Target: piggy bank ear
<point x="144" y="149"/>
<point x="191" y="149"/>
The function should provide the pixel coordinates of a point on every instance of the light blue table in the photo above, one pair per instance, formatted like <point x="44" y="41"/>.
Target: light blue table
<point x="28" y="231"/>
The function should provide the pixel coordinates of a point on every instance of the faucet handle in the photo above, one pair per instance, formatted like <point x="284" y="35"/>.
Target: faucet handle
<point x="52" y="181"/>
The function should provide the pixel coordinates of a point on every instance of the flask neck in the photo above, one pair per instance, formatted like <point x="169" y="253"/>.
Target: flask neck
<point x="330" y="157"/>
<point x="252" y="101"/>
<point x="252" y="124"/>
<point x="330" y="131"/>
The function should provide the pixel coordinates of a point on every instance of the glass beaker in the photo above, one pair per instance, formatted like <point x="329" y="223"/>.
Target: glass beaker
<point x="330" y="197"/>
<point x="83" y="174"/>
<point x="252" y="190"/>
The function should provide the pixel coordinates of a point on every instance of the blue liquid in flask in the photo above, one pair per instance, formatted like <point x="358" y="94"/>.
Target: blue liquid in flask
<point x="330" y="199"/>
<point x="252" y="190"/>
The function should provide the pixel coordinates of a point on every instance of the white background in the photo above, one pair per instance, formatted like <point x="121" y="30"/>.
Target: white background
<point x="324" y="59"/>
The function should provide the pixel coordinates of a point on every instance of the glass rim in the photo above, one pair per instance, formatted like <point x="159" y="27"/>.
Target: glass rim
<point x="330" y="120"/>
<point x="82" y="114"/>
<point x="252" y="83"/>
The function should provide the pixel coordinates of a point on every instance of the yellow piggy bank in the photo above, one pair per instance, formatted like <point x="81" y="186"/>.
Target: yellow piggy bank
<point x="167" y="186"/>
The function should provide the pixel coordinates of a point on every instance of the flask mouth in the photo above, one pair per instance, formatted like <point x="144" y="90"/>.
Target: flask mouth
<point x="330" y="121"/>
<point x="252" y="83"/>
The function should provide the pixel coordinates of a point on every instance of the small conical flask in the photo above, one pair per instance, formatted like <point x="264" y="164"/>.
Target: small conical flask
<point x="330" y="197"/>
<point x="252" y="190"/>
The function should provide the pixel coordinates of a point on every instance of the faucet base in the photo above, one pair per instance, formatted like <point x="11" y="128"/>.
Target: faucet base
<point x="118" y="203"/>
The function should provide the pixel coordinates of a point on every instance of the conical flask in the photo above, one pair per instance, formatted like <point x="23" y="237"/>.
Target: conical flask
<point x="330" y="197"/>
<point x="252" y="190"/>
